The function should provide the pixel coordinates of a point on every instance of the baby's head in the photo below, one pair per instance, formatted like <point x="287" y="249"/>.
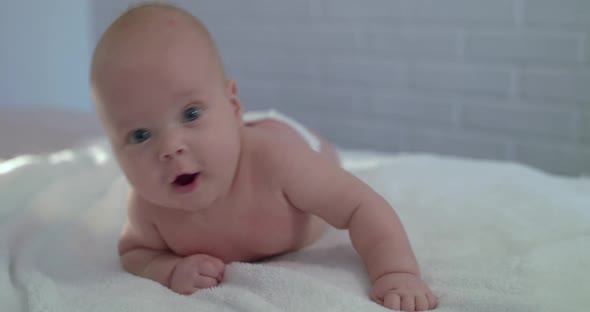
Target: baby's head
<point x="173" y="120"/>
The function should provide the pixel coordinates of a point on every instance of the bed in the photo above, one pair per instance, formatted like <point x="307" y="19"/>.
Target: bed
<point x="489" y="236"/>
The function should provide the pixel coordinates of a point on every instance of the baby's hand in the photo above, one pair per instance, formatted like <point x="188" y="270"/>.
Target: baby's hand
<point x="196" y="272"/>
<point x="403" y="291"/>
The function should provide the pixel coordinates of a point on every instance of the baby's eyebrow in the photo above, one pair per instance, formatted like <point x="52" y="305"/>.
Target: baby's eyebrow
<point x="128" y="125"/>
<point x="185" y="94"/>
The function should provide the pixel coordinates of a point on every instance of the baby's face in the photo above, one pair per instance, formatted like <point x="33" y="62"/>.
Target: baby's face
<point x="174" y="126"/>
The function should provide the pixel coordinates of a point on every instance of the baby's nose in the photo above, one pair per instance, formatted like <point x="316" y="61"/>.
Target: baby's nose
<point x="171" y="153"/>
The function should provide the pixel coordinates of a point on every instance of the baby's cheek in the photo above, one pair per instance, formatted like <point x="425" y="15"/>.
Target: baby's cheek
<point x="147" y="184"/>
<point x="224" y="148"/>
<point x="139" y="174"/>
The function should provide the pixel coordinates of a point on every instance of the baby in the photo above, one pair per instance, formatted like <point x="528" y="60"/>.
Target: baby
<point x="208" y="188"/>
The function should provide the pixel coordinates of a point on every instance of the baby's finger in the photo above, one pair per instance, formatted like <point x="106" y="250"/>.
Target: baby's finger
<point x="219" y="276"/>
<point x="392" y="301"/>
<point x="432" y="300"/>
<point x="205" y="282"/>
<point x="421" y="303"/>
<point x="408" y="303"/>
<point x="221" y="270"/>
<point x="208" y="268"/>
<point x="183" y="285"/>
<point x="374" y="297"/>
<point x="220" y="265"/>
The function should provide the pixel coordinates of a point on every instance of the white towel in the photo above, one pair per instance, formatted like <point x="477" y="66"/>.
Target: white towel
<point x="489" y="237"/>
<point x="306" y="134"/>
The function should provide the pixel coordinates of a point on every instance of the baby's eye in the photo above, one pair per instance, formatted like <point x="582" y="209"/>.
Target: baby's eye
<point x="138" y="136"/>
<point x="191" y="113"/>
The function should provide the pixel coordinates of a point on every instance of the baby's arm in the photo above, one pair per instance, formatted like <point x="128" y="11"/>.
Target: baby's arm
<point x="144" y="253"/>
<point x="315" y="184"/>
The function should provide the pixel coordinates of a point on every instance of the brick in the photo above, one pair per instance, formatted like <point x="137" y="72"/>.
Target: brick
<point x="412" y="108"/>
<point x="586" y="49"/>
<point x="525" y="120"/>
<point x="455" y="144"/>
<point x="554" y="12"/>
<point x="287" y="39"/>
<point x="350" y="131"/>
<point x="474" y="11"/>
<point x="254" y="9"/>
<point x="538" y="48"/>
<point x="270" y="63"/>
<point x="554" y="158"/>
<point x="316" y="97"/>
<point x="413" y="44"/>
<point x="584" y="126"/>
<point x="356" y="9"/>
<point x="257" y="95"/>
<point x="361" y="72"/>
<point x="563" y="85"/>
<point x="320" y="69"/>
<point x="463" y="79"/>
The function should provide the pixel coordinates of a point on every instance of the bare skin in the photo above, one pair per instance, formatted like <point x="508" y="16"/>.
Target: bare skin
<point x="207" y="189"/>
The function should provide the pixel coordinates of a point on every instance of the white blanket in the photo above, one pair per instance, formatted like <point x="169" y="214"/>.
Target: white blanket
<point x="489" y="237"/>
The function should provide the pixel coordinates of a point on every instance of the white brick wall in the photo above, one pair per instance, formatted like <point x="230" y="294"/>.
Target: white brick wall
<point x="501" y="79"/>
<point x="449" y="79"/>
<point x="460" y="12"/>
<point x="558" y="13"/>
<point x="584" y="127"/>
<point x="535" y="49"/>
<point x="564" y="85"/>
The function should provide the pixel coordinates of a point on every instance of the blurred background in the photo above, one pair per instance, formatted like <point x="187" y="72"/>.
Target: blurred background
<point x="503" y="79"/>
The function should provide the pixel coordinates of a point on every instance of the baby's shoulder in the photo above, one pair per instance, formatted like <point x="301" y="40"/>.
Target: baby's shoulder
<point x="266" y="145"/>
<point x="271" y="154"/>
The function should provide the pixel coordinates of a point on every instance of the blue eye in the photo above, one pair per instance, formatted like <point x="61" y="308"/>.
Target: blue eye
<point x="138" y="136"/>
<point x="191" y="113"/>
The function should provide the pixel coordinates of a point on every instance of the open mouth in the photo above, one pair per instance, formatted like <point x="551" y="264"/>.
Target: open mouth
<point x="186" y="182"/>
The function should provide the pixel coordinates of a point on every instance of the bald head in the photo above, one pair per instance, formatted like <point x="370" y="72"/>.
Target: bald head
<point x="147" y="32"/>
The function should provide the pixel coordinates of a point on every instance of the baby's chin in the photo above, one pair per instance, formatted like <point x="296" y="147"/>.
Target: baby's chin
<point x="187" y="205"/>
<point x="186" y="202"/>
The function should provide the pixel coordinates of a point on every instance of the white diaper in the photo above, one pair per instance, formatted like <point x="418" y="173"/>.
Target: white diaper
<point x="309" y="137"/>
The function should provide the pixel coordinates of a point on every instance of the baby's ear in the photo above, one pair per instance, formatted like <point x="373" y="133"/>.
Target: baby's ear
<point x="232" y="92"/>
